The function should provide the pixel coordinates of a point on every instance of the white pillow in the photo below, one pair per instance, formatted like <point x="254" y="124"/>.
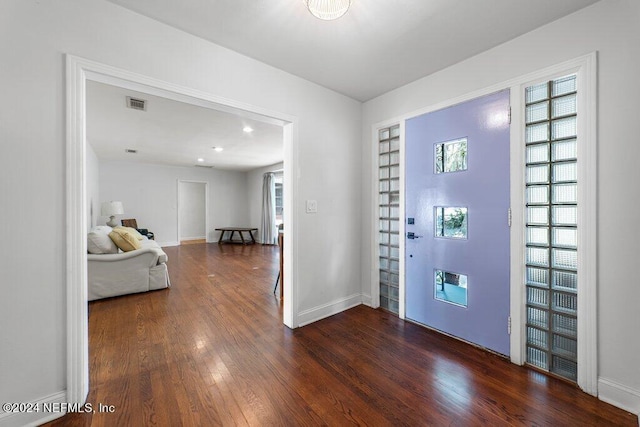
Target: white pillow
<point x="99" y="242"/>
<point x="105" y="229"/>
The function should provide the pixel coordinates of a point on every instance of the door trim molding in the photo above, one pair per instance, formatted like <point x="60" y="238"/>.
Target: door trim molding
<point x="586" y="68"/>
<point x="78" y="72"/>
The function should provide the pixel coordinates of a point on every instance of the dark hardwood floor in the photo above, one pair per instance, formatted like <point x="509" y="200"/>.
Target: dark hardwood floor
<point x="212" y="350"/>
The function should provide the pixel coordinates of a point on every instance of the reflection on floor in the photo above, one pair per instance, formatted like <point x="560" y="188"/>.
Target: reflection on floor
<point x="452" y="293"/>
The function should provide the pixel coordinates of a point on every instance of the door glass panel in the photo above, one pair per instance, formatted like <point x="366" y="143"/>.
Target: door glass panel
<point x="451" y="287"/>
<point x="451" y="156"/>
<point x="451" y="222"/>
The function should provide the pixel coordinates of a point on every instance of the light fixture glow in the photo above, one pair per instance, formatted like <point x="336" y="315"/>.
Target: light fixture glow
<point x="200" y="159"/>
<point x="247" y="129"/>
<point x="328" y="10"/>
<point x="218" y="149"/>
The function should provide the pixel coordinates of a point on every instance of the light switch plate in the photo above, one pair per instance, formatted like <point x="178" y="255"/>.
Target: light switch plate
<point x="312" y="206"/>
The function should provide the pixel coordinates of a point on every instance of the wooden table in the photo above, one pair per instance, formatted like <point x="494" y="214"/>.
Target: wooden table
<point x="233" y="230"/>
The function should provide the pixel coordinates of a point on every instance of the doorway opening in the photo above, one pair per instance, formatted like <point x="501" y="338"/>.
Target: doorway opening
<point x="193" y="199"/>
<point x="79" y="72"/>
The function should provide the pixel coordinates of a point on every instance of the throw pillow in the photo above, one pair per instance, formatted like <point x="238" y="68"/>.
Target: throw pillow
<point x="100" y="243"/>
<point x="124" y="240"/>
<point x="131" y="231"/>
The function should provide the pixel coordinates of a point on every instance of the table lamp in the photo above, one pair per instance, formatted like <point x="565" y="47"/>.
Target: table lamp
<point x="111" y="209"/>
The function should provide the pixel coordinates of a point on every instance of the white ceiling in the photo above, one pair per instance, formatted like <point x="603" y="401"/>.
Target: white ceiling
<point x="176" y="133"/>
<point x="377" y="46"/>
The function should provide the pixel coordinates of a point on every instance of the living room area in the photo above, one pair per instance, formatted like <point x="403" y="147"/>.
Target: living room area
<point x="180" y="171"/>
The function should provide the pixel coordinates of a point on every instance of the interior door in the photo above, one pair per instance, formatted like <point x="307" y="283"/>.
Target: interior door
<point x="456" y="204"/>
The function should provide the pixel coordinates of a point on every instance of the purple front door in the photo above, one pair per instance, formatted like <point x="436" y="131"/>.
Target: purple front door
<point x="457" y="200"/>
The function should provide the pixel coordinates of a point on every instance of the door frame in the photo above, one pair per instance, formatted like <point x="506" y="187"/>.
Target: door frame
<point x="78" y="72"/>
<point x="206" y="207"/>
<point x="586" y="69"/>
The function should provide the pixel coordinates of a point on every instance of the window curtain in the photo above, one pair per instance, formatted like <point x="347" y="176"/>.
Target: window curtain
<point x="268" y="232"/>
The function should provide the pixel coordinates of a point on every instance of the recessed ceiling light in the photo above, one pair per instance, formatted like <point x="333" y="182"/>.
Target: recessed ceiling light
<point x="247" y="129"/>
<point x="201" y="160"/>
<point x="218" y="149"/>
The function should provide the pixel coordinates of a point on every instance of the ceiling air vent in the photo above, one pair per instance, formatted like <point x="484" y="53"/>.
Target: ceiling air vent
<point x="130" y="151"/>
<point x="136" y="103"/>
<point x="203" y="166"/>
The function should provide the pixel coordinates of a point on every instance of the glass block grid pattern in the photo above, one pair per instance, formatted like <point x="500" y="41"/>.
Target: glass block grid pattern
<point x="389" y="217"/>
<point x="551" y="226"/>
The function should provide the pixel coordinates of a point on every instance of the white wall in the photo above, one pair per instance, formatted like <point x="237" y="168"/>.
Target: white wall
<point x="611" y="27"/>
<point x="192" y="210"/>
<point x="34" y="36"/>
<point x="93" y="188"/>
<point x="149" y="194"/>
<point x="254" y="194"/>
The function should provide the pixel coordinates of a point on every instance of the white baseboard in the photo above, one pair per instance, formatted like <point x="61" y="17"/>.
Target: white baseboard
<point x="164" y="244"/>
<point x="320" y="312"/>
<point x="619" y="395"/>
<point x="16" y="419"/>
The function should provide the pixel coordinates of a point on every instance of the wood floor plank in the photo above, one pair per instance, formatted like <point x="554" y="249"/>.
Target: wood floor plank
<point x="212" y="350"/>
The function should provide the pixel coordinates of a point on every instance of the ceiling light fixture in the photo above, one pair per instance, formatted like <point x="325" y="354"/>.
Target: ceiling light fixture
<point x="247" y="129"/>
<point x="201" y="159"/>
<point x="218" y="149"/>
<point x="328" y="10"/>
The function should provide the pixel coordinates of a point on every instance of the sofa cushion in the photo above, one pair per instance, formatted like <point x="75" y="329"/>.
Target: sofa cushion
<point x="131" y="230"/>
<point x="99" y="242"/>
<point x="124" y="240"/>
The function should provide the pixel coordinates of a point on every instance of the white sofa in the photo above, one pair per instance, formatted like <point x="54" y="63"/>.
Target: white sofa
<point x="112" y="272"/>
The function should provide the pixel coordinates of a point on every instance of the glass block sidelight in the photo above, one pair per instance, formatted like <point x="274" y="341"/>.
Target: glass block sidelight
<point x="551" y="253"/>
<point x="389" y="212"/>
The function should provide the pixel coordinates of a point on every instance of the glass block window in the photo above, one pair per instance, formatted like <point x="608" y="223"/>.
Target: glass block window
<point x="551" y="254"/>
<point x="389" y="217"/>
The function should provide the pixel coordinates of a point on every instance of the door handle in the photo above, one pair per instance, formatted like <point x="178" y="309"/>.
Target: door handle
<point x="411" y="235"/>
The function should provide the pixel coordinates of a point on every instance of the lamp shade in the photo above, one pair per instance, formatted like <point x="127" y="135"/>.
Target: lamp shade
<point x="328" y="9"/>
<point x="111" y="208"/>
